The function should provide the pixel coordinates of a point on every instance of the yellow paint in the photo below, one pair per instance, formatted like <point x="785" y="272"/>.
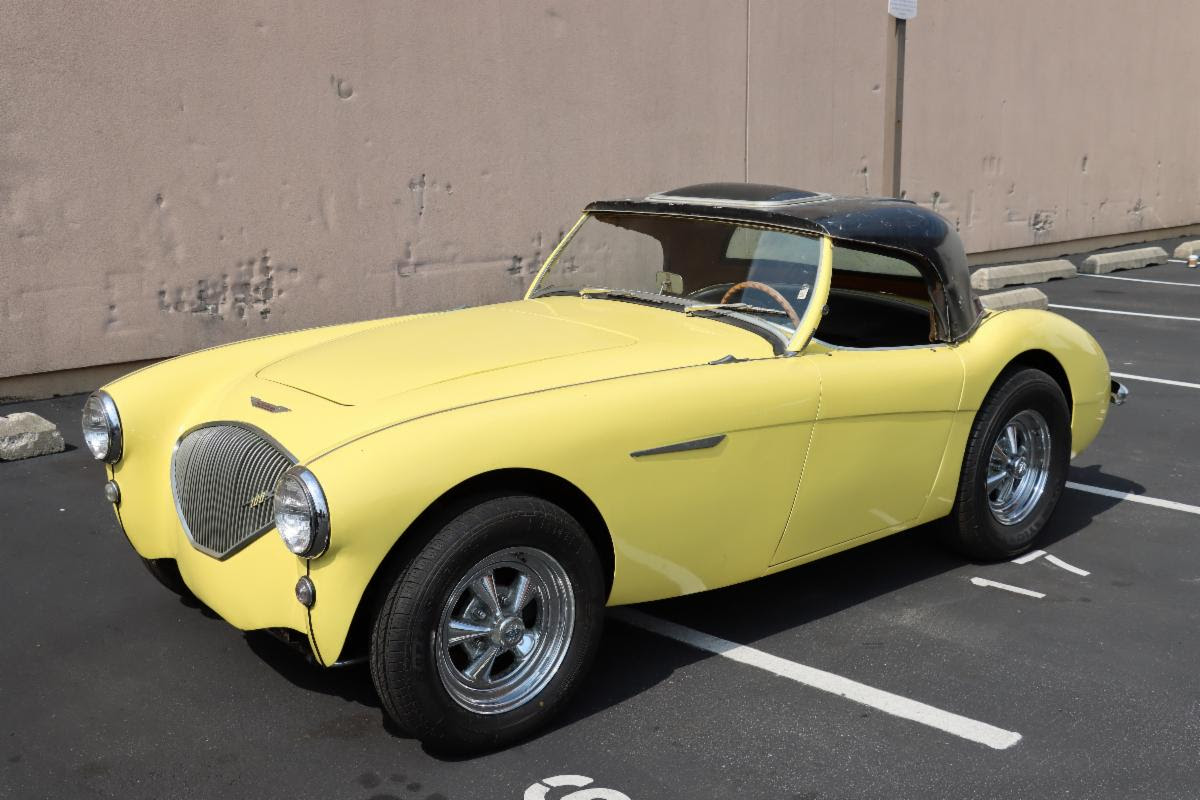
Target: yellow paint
<point x="879" y="439"/>
<point x="391" y="414"/>
<point x="816" y="304"/>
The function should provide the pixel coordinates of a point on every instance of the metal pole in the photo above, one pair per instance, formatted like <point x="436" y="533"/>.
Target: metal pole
<point x="893" y="110"/>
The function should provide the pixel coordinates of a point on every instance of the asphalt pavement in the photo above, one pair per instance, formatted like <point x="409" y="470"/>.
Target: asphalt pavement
<point x="112" y="687"/>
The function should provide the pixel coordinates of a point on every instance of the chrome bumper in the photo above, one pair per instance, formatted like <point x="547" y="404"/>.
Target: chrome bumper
<point x="1117" y="393"/>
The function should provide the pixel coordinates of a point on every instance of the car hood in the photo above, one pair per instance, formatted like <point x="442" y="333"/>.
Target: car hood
<point x="472" y="355"/>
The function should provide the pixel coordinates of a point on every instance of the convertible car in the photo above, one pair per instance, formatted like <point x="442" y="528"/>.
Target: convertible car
<point x="700" y="387"/>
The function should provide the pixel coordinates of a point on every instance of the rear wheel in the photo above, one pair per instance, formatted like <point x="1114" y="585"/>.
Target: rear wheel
<point x="1014" y="468"/>
<point x="491" y="627"/>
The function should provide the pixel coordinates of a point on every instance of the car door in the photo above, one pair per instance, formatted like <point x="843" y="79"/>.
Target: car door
<point x="880" y="435"/>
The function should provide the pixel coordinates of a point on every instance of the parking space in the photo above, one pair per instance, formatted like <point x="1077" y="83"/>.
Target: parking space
<point x="113" y="688"/>
<point x="1152" y="346"/>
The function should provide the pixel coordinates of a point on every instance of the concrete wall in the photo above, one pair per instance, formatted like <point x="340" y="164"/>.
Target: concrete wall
<point x="1029" y="122"/>
<point x="175" y="175"/>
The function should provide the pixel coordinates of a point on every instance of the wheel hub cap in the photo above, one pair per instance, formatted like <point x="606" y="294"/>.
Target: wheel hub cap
<point x="1019" y="467"/>
<point x="508" y="632"/>
<point x="504" y="630"/>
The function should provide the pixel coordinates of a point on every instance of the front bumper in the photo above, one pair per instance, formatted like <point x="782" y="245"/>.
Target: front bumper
<point x="252" y="589"/>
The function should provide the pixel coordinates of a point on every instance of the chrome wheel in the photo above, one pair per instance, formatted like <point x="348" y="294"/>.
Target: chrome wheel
<point x="1018" y="467"/>
<point x="504" y="630"/>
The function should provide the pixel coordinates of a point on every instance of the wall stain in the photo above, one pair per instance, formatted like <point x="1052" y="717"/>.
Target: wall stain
<point x="519" y="268"/>
<point x="341" y="87"/>
<point x="250" y="290"/>
<point x="422" y="191"/>
<point x="1042" y="221"/>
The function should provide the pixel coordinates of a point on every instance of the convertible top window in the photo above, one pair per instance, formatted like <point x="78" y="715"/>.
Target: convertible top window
<point x="876" y="300"/>
<point x="735" y="272"/>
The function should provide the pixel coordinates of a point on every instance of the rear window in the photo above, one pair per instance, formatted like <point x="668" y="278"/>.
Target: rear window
<point x="848" y="260"/>
<point x="753" y="244"/>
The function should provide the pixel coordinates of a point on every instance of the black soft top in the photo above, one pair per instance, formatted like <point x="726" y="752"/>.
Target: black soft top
<point x="872" y="222"/>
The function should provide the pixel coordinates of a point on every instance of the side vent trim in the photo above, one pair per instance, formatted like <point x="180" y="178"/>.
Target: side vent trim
<point x="695" y="444"/>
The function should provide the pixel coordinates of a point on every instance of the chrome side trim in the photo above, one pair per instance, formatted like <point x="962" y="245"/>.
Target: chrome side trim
<point x="681" y="447"/>
<point x="661" y="197"/>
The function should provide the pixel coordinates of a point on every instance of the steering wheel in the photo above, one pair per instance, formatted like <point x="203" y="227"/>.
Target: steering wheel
<point x="770" y="292"/>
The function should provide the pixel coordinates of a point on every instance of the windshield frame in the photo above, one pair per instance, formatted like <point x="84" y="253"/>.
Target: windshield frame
<point x="793" y="343"/>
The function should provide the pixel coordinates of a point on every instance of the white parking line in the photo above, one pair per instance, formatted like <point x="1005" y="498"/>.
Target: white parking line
<point x="1134" y="498"/>
<point x="1058" y="562"/>
<point x="1008" y="587"/>
<point x="1125" y="313"/>
<point x="1129" y="377"/>
<point x="894" y="704"/>
<point x="1141" y="280"/>
<point x="1030" y="556"/>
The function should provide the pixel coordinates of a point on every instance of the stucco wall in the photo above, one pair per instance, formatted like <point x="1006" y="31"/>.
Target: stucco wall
<point x="1029" y="122"/>
<point x="174" y="175"/>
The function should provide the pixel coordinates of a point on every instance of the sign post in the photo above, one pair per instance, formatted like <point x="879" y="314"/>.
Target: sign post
<point x="900" y="12"/>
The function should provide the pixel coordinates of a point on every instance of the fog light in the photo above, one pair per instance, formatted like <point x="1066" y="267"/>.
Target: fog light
<point x="112" y="492"/>
<point x="306" y="593"/>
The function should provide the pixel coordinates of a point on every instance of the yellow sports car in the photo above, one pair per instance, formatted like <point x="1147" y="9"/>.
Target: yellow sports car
<point x="700" y="387"/>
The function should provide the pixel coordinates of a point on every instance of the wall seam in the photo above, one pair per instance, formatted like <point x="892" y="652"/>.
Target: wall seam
<point x="746" y="107"/>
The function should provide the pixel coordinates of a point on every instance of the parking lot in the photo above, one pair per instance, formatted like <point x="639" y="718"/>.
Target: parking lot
<point x="895" y="670"/>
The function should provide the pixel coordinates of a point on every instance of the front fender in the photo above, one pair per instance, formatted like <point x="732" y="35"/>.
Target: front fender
<point x="675" y="525"/>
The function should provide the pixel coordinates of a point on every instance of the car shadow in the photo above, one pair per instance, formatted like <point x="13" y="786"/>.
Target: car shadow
<point x="351" y="682"/>
<point x="632" y="661"/>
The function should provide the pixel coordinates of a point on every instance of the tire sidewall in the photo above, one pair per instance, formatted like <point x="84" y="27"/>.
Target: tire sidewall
<point x="1028" y="389"/>
<point x="469" y="538"/>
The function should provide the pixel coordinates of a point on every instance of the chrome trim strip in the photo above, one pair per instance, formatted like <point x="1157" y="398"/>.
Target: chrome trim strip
<point x="681" y="447"/>
<point x="716" y="202"/>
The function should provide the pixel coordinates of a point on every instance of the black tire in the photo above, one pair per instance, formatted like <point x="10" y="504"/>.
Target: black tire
<point x="405" y="645"/>
<point x="166" y="572"/>
<point x="973" y="527"/>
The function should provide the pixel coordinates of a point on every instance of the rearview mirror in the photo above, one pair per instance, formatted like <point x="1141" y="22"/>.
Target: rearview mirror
<point x="669" y="282"/>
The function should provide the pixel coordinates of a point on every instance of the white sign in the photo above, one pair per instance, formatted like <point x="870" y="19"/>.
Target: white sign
<point x="902" y="9"/>
<point x="541" y="790"/>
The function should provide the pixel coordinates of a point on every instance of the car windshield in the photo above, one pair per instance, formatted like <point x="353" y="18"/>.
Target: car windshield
<point x="725" y="270"/>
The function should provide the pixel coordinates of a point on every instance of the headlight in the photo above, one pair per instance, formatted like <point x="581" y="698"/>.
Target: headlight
<point x="301" y="515"/>
<point x="102" y="428"/>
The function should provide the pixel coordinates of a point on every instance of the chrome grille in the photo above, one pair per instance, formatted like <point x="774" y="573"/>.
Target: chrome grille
<point x="223" y="477"/>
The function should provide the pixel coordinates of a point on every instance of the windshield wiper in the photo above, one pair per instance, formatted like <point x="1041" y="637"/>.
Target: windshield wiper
<point x="742" y="307"/>
<point x="626" y="294"/>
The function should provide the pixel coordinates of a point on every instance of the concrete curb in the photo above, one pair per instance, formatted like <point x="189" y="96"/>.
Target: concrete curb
<point x="25" y="435"/>
<point x="1186" y="249"/>
<point x="1011" y="274"/>
<point x="1122" y="259"/>
<point x="1025" y="297"/>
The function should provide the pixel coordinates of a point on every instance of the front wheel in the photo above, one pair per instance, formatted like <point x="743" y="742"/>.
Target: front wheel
<point x="1014" y="468"/>
<point x="491" y="627"/>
